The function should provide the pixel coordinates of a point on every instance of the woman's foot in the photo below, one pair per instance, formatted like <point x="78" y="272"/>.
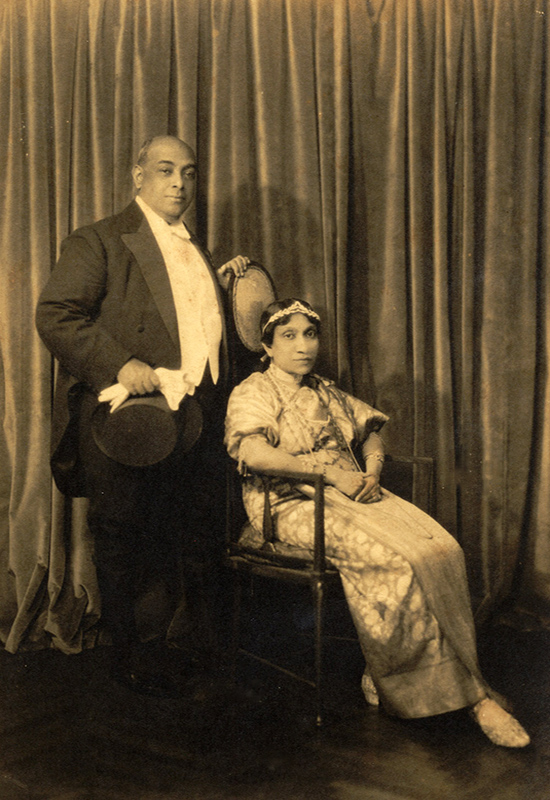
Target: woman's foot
<point x="498" y="725"/>
<point x="369" y="690"/>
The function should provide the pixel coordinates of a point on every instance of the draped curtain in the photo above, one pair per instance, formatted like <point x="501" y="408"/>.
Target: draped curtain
<point x="385" y="159"/>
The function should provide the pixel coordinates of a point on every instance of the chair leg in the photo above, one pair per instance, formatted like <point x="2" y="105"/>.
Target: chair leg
<point x="318" y="601"/>
<point x="235" y="625"/>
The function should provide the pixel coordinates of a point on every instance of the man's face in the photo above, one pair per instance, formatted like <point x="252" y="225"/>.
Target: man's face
<point x="167" y="180"/>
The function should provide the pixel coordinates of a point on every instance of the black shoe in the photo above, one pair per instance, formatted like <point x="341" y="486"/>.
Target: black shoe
<point x="149" y="684"/>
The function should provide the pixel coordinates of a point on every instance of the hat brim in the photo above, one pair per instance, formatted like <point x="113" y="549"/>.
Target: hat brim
<point x="143" y="431"/>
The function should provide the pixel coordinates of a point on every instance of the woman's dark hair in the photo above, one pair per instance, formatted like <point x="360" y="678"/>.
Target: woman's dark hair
<point x="280" y="305"/>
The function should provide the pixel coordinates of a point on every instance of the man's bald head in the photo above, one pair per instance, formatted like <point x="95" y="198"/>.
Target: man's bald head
<point x="143" y="154"/>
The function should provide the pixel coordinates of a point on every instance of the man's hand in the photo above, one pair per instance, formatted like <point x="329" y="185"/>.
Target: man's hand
<point x="237" y="265"/>
<point x="137" y="377"/>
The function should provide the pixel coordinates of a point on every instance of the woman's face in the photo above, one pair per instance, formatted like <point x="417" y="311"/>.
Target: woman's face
<point x="295" y="345"/>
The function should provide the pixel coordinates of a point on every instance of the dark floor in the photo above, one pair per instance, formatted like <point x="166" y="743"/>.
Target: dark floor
<point x="69" y="733"/>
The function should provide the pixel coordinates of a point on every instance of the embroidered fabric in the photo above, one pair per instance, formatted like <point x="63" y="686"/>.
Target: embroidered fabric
<point x="308" y="426"/>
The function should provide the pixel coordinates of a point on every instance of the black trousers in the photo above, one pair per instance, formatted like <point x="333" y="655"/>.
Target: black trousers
<point x="161" y="524"/>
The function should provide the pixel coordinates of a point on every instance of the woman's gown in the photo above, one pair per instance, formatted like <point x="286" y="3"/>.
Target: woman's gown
<point x="402" y="573"/>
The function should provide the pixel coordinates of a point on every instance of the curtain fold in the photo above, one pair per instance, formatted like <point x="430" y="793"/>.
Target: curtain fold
<point x="533" y="584"/>
<point x="386" y="160"/>
<point x="509" y="287"/>
<point x="25" y="247"/>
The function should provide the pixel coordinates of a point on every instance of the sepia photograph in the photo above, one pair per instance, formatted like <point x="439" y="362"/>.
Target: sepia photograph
<point x="275" y="400"/>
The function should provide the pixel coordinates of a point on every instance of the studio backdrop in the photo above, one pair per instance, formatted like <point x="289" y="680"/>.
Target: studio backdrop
<point x="385" y="159"/>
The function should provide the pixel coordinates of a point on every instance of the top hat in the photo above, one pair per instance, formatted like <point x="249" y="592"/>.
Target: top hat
<point x="143" y="430"/>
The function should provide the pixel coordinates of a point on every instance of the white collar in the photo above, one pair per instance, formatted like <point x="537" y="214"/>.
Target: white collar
<point x="159" y="225"/>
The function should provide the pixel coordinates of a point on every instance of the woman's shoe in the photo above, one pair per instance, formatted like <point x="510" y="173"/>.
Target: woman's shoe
<point x="498" y="725"/>
<point x="369" y="690"/>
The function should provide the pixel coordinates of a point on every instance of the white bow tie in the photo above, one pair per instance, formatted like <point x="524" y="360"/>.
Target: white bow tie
<point x="180" y="231"/>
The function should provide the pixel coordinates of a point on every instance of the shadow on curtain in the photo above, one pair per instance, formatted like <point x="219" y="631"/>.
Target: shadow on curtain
<point x="386" y="160"/>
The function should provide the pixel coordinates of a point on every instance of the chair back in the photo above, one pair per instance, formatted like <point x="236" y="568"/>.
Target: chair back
<point x="249" y="295"/>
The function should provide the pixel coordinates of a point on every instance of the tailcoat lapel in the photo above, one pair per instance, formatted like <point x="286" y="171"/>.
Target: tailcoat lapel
<point x="147" y="253"/>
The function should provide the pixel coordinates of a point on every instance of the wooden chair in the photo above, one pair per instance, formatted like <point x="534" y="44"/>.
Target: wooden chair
<point x="268" y="559"/>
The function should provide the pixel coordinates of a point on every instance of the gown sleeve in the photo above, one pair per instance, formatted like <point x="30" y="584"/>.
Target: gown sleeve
<point x="367" y="419"/>
<point x="253" y="410"/>
<point x="363" y="418"/>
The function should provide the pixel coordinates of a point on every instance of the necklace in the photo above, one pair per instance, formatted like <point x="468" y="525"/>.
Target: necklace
<point x="307" y="431"/>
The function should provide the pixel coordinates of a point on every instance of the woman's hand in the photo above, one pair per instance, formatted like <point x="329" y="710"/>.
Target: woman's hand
<point x="357" y="485"/>
<point x="370" y="493"/>
<point x="347" y="482"/>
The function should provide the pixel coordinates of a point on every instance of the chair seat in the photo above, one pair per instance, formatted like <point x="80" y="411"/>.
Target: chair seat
<point x="253" y="549"/>
<point x="252" y="539"/>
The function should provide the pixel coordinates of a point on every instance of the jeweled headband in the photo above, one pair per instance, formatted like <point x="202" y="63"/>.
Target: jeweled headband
<point x="295" y="308"/>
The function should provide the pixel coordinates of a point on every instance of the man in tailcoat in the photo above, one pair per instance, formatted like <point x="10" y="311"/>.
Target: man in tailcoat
<point x="133" y="301"/>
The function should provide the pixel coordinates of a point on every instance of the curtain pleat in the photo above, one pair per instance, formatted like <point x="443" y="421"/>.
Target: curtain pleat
<point x="379" y="294"/>
<point x="533" y="585"/>
<point x="24" y="553"/>
<point x="385" y="160"/>
<point x="509" y="286"/>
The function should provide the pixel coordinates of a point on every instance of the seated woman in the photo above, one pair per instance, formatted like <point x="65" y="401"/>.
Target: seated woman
<point x="403" y="574"/>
